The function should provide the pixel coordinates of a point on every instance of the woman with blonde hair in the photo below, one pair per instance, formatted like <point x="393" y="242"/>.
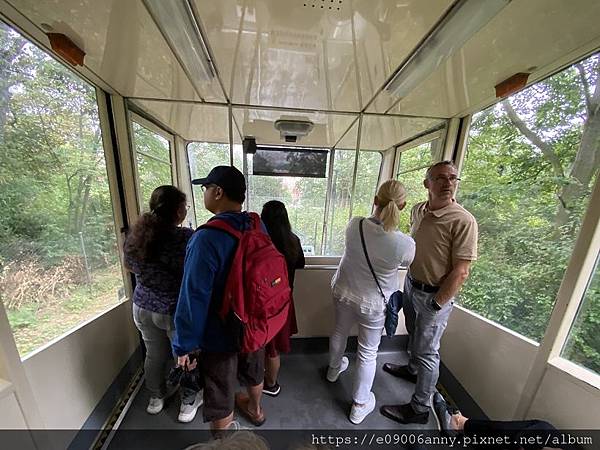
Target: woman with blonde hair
<point x="360" y="286"/>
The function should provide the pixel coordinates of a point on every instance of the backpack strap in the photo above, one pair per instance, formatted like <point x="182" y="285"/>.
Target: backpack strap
<point x="364" y="246"/>
<point x="255" y="221"/>
<point x="223" y="225"/>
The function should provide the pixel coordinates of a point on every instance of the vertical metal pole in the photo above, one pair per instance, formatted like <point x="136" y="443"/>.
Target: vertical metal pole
<point x="360" y="121"/>
<point x="230" y="115"/>
<point x="328" y="200"/>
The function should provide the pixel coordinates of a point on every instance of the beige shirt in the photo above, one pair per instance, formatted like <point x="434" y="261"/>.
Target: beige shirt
<point x="442" y="237"/>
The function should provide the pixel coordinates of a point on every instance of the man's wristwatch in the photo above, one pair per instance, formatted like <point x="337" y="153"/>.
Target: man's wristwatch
<point x="435" y="305"/>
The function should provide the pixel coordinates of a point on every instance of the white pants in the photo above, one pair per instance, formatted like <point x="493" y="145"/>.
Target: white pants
<point x="370" y="327"/>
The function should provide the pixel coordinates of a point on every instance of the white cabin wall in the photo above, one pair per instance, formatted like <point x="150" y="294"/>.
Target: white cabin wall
<point x="314" y="305"/>
<point x="77" y="369"/>
<point x="487" y="360"/>
<point x="566" y="401"/>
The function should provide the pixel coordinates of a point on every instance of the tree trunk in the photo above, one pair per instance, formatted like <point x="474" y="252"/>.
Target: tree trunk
<point x="536" y="140"/>
<point x="7" y="76"/>
<point x="587" y="159"/>
<point x="84" y="202"/>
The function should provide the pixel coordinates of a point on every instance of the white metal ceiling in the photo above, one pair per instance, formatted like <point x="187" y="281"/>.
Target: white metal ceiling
<point x="324" y="55"/>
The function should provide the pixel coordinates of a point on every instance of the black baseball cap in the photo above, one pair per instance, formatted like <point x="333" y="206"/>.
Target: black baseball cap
<point x="227" y="177"/>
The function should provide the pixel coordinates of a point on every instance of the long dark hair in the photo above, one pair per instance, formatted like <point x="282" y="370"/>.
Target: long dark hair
<point x="275" y="217"/>
<point x="144" y="239"/>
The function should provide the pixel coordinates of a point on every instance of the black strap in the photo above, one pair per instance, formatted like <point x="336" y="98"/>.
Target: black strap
<point x="364" y="245"/>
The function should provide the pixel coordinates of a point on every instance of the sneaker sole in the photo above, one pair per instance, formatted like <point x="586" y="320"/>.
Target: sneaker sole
<point x="271" y="393"/>
<point x="189" y="417"/>
<point x="333" y="380"/>
<point x="358" y="422"/>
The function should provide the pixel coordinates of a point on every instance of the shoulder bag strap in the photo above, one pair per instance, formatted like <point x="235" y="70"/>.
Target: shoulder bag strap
<point x="364" y="245"/>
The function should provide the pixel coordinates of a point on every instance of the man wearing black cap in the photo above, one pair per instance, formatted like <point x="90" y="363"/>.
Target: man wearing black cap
<point x="198" y="326"/>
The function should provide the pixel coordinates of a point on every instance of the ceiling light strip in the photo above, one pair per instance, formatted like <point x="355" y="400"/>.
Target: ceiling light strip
<point x="178" y="25"/>
<point x="462" y="21"/>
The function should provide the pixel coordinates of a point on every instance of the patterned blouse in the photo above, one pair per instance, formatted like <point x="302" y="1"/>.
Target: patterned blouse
<point x="158" y="281"/>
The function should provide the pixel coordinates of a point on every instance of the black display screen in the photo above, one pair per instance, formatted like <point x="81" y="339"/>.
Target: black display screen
<point x="290" y="162"/>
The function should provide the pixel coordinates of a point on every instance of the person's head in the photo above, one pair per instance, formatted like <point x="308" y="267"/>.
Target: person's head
<point x="389" y="201"/>
<point x="441" y="180"/>
<point x="275" y="217"/>
<point x="224" y="189"/>
<point x="169" y="204"/>
<point x="168" y="208"/>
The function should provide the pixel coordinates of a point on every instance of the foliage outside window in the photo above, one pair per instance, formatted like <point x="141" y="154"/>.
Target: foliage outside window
<point x="369" y="164"/>
<point x="59" y="263"/>
<point x="531" y="163"/>
<point x="412" y="168"/>
<point x="583" y="345"/>
<point x="153" y="158"/>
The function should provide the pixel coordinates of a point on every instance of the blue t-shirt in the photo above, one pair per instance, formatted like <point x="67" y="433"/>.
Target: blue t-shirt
<point x="208" y="259"/>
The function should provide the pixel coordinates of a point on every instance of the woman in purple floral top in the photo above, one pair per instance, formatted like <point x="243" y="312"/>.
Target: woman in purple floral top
<point x="154" y="251"/>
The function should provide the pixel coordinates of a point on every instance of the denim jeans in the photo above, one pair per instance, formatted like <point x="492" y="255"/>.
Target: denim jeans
<point x="156" y="330"/>
<point x="370" y="327"/>
<point x="425" y="329"/>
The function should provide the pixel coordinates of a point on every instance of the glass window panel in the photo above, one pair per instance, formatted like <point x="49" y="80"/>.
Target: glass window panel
<point x="583" y="344"/>
<point x="203" y="156"/>
<point x="369" y="166"/>
<point x="304" y="199"/>
<point x="153" y="159"/>
<point x="58" y="252"/>
<point x="527" y="178"/>
<point x="339" y="207"/>
<point x="412" y="169"/>
<point x="152" y="173"/>
<point x="151" y="143"/>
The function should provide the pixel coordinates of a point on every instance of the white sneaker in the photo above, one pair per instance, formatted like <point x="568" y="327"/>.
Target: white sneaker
<point x="187" y="412"/>
<point x="155" y="405"/>
<point x="334" y="373"/>
<point x="358" y="413"/>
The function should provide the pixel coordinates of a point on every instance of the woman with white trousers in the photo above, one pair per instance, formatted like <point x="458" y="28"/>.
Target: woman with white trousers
<point x="357" y="297"/>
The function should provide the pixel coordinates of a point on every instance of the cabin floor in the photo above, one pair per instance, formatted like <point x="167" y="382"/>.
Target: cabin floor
<point x="306" y="402"/>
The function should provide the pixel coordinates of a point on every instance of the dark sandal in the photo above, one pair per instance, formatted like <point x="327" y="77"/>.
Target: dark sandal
<point x="241" y="402"/>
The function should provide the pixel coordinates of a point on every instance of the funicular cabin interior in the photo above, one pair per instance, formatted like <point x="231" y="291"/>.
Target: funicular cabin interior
<point x="138" y="93"/>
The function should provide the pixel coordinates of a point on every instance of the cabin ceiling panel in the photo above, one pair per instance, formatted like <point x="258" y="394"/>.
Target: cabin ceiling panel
<point x="314" y="54"/>
<point x="383" y="132"/>
<point x="260" y="123"/>
<point x="526" y="36"/>
<point x="192" y="121"/>
<point x="123" y="46"/>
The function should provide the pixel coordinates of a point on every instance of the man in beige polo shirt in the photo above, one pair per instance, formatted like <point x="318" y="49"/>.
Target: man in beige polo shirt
<point x="446" y="238"/>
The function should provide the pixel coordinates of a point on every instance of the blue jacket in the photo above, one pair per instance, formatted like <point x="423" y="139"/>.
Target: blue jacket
<point x="208" y="259"/>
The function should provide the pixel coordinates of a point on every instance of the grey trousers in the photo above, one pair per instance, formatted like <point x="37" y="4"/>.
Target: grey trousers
<point x="156" y="330"/>
<point x="425" y="328"/>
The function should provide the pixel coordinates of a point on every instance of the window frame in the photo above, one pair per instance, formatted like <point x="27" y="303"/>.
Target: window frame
<point x="152" y="127"/>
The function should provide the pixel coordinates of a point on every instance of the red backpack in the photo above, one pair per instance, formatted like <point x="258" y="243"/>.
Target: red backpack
<point x="257" y="295"/>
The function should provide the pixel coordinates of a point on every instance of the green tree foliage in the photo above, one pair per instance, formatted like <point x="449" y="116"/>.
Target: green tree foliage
<point x="531" y="164"/>
<point x="153" y="161"/>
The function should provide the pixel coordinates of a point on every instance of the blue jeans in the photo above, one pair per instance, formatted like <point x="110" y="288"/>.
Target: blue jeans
<point x="425" y="329"/>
